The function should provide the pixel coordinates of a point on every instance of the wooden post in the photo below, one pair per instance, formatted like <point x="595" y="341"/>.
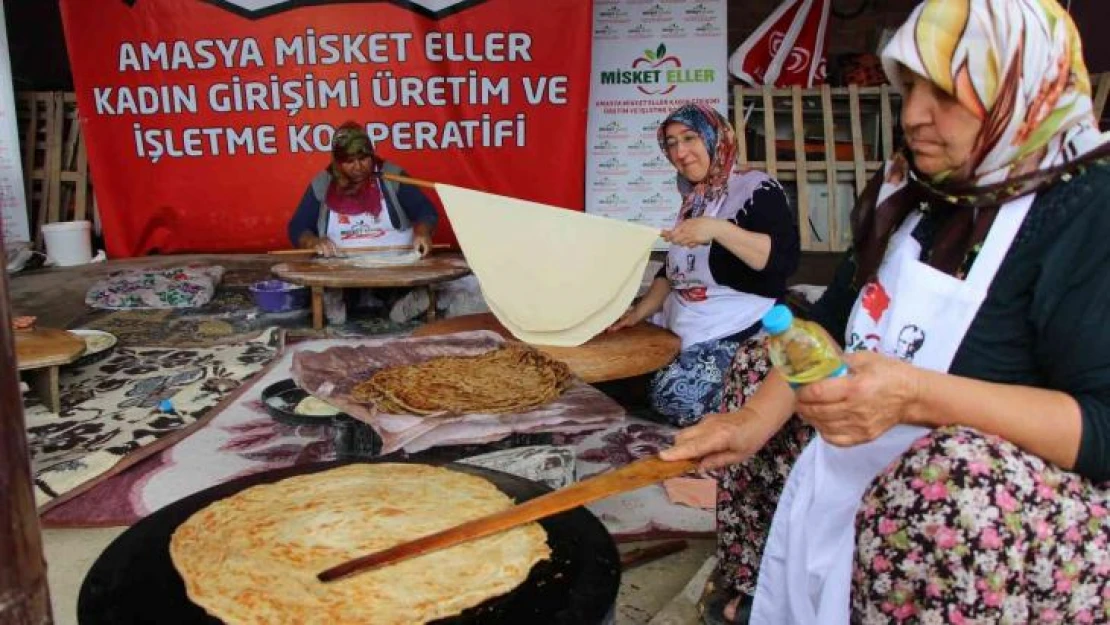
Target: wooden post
<point x="801" y="169"/>
<point x="24" y="597"/>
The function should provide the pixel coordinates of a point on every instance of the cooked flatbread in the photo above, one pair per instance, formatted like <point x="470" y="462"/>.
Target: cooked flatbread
<point x="511" y="378"/>
<point x="253" y="557"/>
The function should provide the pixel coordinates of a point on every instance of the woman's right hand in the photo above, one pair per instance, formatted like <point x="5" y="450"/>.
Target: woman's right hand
<point x="325" y="247"/>
<point x="719" y="440"/>
<point x="627" y="320"/>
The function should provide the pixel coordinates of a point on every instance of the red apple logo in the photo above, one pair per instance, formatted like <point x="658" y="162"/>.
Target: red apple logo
<point x="875" y="300"/>
<point x="657" y="59"/>
<point x="694" y="294"/>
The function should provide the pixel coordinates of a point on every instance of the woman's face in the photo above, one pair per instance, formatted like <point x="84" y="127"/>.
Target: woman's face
<point x="686" y="151"/>
<point x="942" y="133"/>
<point x="356" y="169"/>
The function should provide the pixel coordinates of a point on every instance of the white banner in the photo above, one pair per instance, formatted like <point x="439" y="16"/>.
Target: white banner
<point x="13" y="204"/>
<point x="649" y="58"/>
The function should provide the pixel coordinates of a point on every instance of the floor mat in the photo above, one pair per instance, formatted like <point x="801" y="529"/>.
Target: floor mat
<point x="110" y="413"/>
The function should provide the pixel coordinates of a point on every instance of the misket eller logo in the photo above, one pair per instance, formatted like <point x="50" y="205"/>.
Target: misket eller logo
<point x="655" y="200"/>
<point x="656" y="72"/>
<point x="613" y="14"/>
<point x="673" y="30"/>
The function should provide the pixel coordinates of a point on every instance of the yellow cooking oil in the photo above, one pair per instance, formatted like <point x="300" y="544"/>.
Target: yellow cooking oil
<point x="799" y="349"/>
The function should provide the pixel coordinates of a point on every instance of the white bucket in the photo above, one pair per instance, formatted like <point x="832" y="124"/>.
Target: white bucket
<point x="68" y="242"/>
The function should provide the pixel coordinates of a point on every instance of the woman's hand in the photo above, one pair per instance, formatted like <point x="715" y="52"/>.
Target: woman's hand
<point x="694" y="232"/>
<point x="720" y="439"/>
<point x="325" y="247"/>
<point x="878" y="394"/>
<point x="422" y="244"/>
<point x="627" y="320"/>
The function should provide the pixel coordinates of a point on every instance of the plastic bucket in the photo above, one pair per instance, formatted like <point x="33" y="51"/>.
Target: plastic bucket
<point x="68" y="242"/>
<point x="276" y="296"/>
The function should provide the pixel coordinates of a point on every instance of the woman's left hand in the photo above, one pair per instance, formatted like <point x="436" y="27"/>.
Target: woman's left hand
<point x="422" y="243"/>
<point x="694" y="232"/>
<point x="877" y="394"/>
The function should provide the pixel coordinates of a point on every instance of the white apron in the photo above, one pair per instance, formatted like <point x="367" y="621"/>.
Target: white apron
<point x="698" y="309"/>
<point x="913" y="312"/>
<point x="366" y="230"/>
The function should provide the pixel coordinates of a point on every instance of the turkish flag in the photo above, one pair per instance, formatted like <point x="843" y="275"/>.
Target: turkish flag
<point x="787" y="49"/>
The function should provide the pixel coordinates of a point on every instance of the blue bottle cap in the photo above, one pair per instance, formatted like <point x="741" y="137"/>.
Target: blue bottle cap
<point x="778" y="319"/>
<point x="165" y="406"/>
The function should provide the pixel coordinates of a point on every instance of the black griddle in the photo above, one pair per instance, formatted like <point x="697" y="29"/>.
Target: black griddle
<point x="134" y="580"/>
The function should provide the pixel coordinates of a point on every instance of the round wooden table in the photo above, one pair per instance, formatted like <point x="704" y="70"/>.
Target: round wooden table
<point x="336" y="273"/>
<point x="41" y="351"/>
<point x="624" y="354"/>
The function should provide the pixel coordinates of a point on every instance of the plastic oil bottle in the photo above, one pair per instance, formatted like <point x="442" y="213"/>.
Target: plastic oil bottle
<point x="800" y="349"/>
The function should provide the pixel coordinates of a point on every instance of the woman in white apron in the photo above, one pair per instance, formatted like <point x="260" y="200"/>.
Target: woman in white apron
<point x="350" y="205"/>
<point x="734" y="244"/>
<point x="961" y="473"/>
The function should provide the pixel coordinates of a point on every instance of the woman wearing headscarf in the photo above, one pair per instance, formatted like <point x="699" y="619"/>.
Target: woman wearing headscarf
<point x="350" y="205"/>
<point x="733" y="246"/>
<point x="959" y="472"/>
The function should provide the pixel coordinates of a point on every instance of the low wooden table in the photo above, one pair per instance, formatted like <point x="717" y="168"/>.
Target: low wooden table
<point x="40" y="352"/>
<point x="334" y="273"/>
<point x="624" y="354"/>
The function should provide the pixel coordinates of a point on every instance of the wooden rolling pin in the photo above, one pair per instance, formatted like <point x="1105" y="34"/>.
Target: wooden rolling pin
<point x="356" y="250"/>
<point x="636" y="475"/>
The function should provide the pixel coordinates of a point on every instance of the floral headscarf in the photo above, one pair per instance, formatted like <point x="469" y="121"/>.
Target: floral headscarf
<point x="1018" y="66"/>
<point x="720" y="142"/>
<point x="343" y="196"/>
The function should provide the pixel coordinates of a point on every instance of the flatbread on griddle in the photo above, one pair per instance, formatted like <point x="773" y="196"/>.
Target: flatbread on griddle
<point x="253" y="557"/>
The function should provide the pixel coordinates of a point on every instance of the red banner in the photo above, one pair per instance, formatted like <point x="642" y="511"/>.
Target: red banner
<point x="205" y="120"/>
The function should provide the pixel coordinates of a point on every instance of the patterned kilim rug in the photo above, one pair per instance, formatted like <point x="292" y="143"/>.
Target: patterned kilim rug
<point x="240" y="438"/>
<point x="110" y="417"/>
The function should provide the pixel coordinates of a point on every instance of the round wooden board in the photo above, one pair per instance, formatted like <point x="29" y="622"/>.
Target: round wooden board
<point x="335" y="273"/>
<point x="46" y="347"/>
<point x="628" y="353"/>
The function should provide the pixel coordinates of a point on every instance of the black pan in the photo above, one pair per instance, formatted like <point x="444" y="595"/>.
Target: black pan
<point x="134" y="580"/>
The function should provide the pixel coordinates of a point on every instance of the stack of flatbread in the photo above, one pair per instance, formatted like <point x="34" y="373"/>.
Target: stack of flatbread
<point x="509" y="378"/>
<point x="550" y="276"/>
<point x="253" y="557"/>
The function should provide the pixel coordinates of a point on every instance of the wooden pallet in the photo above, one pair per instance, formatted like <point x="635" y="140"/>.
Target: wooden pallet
<point x="807" y="158"/>
<point x="55" y="162"/>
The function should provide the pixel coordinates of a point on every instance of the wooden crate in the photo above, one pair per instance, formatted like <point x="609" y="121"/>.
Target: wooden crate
<point x="55" y="163"/>
<point x="799" y="144"/>
<point x="802" y="160"/>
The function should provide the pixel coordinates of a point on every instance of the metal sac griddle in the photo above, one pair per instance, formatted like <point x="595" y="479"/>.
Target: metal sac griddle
<point x="134" y="580"/>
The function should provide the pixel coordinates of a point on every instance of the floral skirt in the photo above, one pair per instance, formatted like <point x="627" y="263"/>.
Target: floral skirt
<point x="963" y="528"/>
<point x="691" y="386"/>
<point x="967" y="528"/>
<point x="748" y="493"/>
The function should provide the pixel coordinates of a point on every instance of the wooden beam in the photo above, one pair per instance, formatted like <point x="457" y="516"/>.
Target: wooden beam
<point x="24" y="597"/>
<point x="769" y="131"/>
<point x="1102" y="90"/>
<point x="887" y="120"/>
<point x="800" y="165"/>
<point x="740" y="124"/>
<point x="830" y="164"/>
